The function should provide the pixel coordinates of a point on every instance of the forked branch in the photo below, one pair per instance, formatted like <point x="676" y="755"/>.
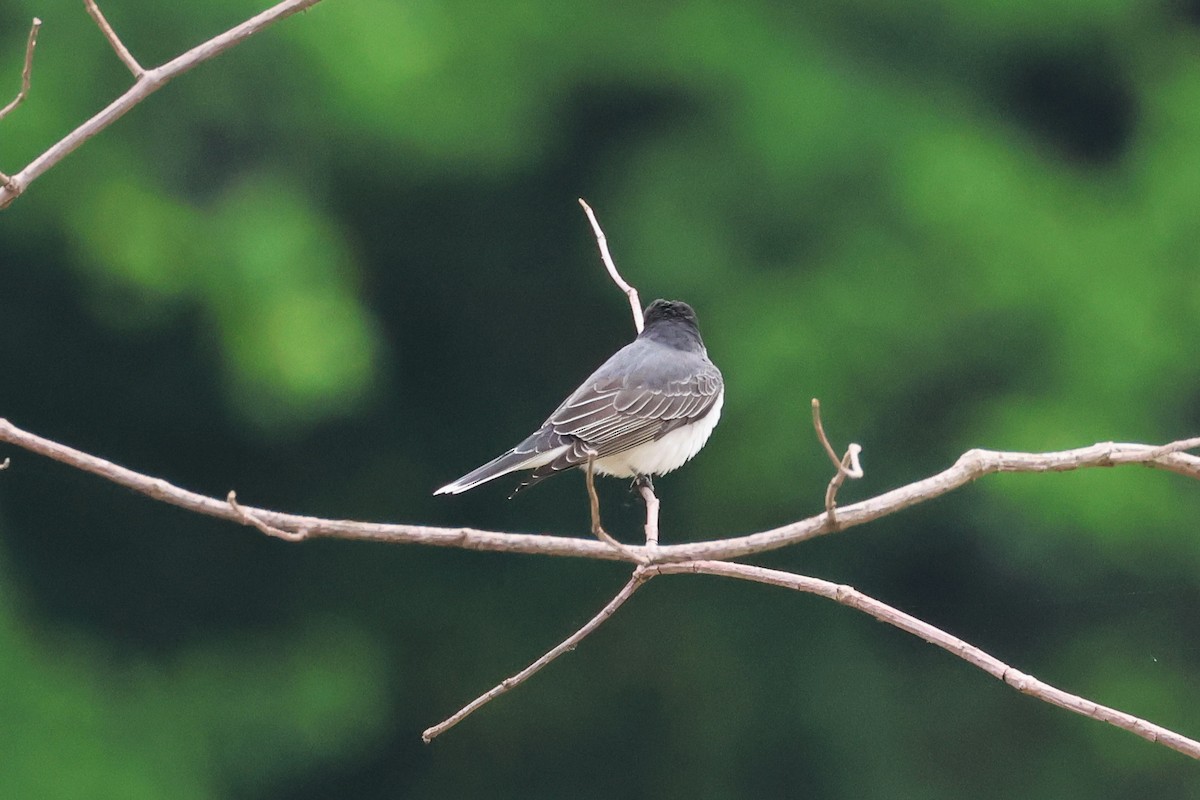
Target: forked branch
<point x="147" y="82"/>
<point x="672" y="559"/>
<point x="699" y="557"/>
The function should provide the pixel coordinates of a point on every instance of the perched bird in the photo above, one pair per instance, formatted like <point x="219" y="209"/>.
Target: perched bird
<point x="644" y="412"/>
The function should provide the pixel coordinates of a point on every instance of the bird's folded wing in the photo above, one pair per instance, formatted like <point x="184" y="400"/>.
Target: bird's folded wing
<point x="604" y="417"/>
<point x="611" y="417"/>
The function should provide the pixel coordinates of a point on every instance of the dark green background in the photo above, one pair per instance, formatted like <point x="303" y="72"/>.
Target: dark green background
<point x="343" y="263"/>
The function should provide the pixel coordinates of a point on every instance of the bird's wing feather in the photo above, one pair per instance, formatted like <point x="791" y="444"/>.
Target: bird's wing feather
<point x="612" y="416"/>
<point x="606" y="416"/>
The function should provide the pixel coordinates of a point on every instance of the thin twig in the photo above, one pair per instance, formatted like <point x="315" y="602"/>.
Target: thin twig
<point x="640" y="576"/>
<point x="150" y="82"/>
<point x="249" y="519"/>
<point x="971" y="466"/>
<point x="594" y="504"/>
<point x="122" y="51"/>
<point x="1026" y="684"/>
<point x="26" y="75"/>
<point x="634" y="303"/>
<point x="847" y="466"/>
<point x="822" y="438"/>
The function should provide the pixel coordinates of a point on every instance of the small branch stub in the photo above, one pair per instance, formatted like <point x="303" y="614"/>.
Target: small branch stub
<point x="26" y="74"/>
<point x="249" y="519"/>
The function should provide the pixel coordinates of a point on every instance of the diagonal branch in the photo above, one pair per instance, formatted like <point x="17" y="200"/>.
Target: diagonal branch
<point x="122" y="51"/>
<point x="1023" y="683"/>
<point x="640" y="576"/>
<point x="26" y="71"/>
<point x="147" y="84"/>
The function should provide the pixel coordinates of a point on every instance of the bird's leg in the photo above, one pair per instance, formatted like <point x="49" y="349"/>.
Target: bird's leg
<point x="645" y="486"/>
<point x="594" y="503"/>
<point x="593" y="499"/>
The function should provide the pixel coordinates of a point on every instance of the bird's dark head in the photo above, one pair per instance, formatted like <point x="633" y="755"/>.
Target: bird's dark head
<point x="672" y="323"/>
<point x="663" y="310"/>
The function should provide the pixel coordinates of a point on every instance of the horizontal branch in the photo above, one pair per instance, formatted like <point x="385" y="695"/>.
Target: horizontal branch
<point x="311" y="527"/>
<point x="972" y="465"/>
<point x="147" y="83"/>
<point x="1026" y="684"/>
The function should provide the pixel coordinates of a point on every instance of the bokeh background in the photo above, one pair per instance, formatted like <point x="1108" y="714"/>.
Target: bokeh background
<point x="343" y="263"/>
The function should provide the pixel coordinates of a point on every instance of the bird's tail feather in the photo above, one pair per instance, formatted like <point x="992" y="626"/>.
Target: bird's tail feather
<point x="501" y="465"/>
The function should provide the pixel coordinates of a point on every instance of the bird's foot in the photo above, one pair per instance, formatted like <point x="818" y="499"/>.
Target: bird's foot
<point x="640" y="481"/>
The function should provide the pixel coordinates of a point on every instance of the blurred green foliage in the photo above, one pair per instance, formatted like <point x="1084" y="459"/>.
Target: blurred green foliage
<point x="343" y="263"/>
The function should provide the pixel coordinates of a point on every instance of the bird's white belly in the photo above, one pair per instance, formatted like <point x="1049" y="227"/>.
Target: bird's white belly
<point x="663" y="455"/>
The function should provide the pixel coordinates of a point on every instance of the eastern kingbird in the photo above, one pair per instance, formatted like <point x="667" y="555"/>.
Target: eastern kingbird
<point x="646" y="411"/>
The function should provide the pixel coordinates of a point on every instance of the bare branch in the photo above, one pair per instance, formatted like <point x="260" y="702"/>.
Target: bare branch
<point x="1026" y="684"/>
<point x="249" y="519"/>
<point x="122" y="51"/>
<point x="640" y="576"/>
<point x="666" y="560"/>
<point x="652" y="560"/>
<point x="149" y="82"/>
<point x="634" y="303"/>
<point x="26" y="75"/>
<point x="969" y="467"/>
<point x="158" y="489"/>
